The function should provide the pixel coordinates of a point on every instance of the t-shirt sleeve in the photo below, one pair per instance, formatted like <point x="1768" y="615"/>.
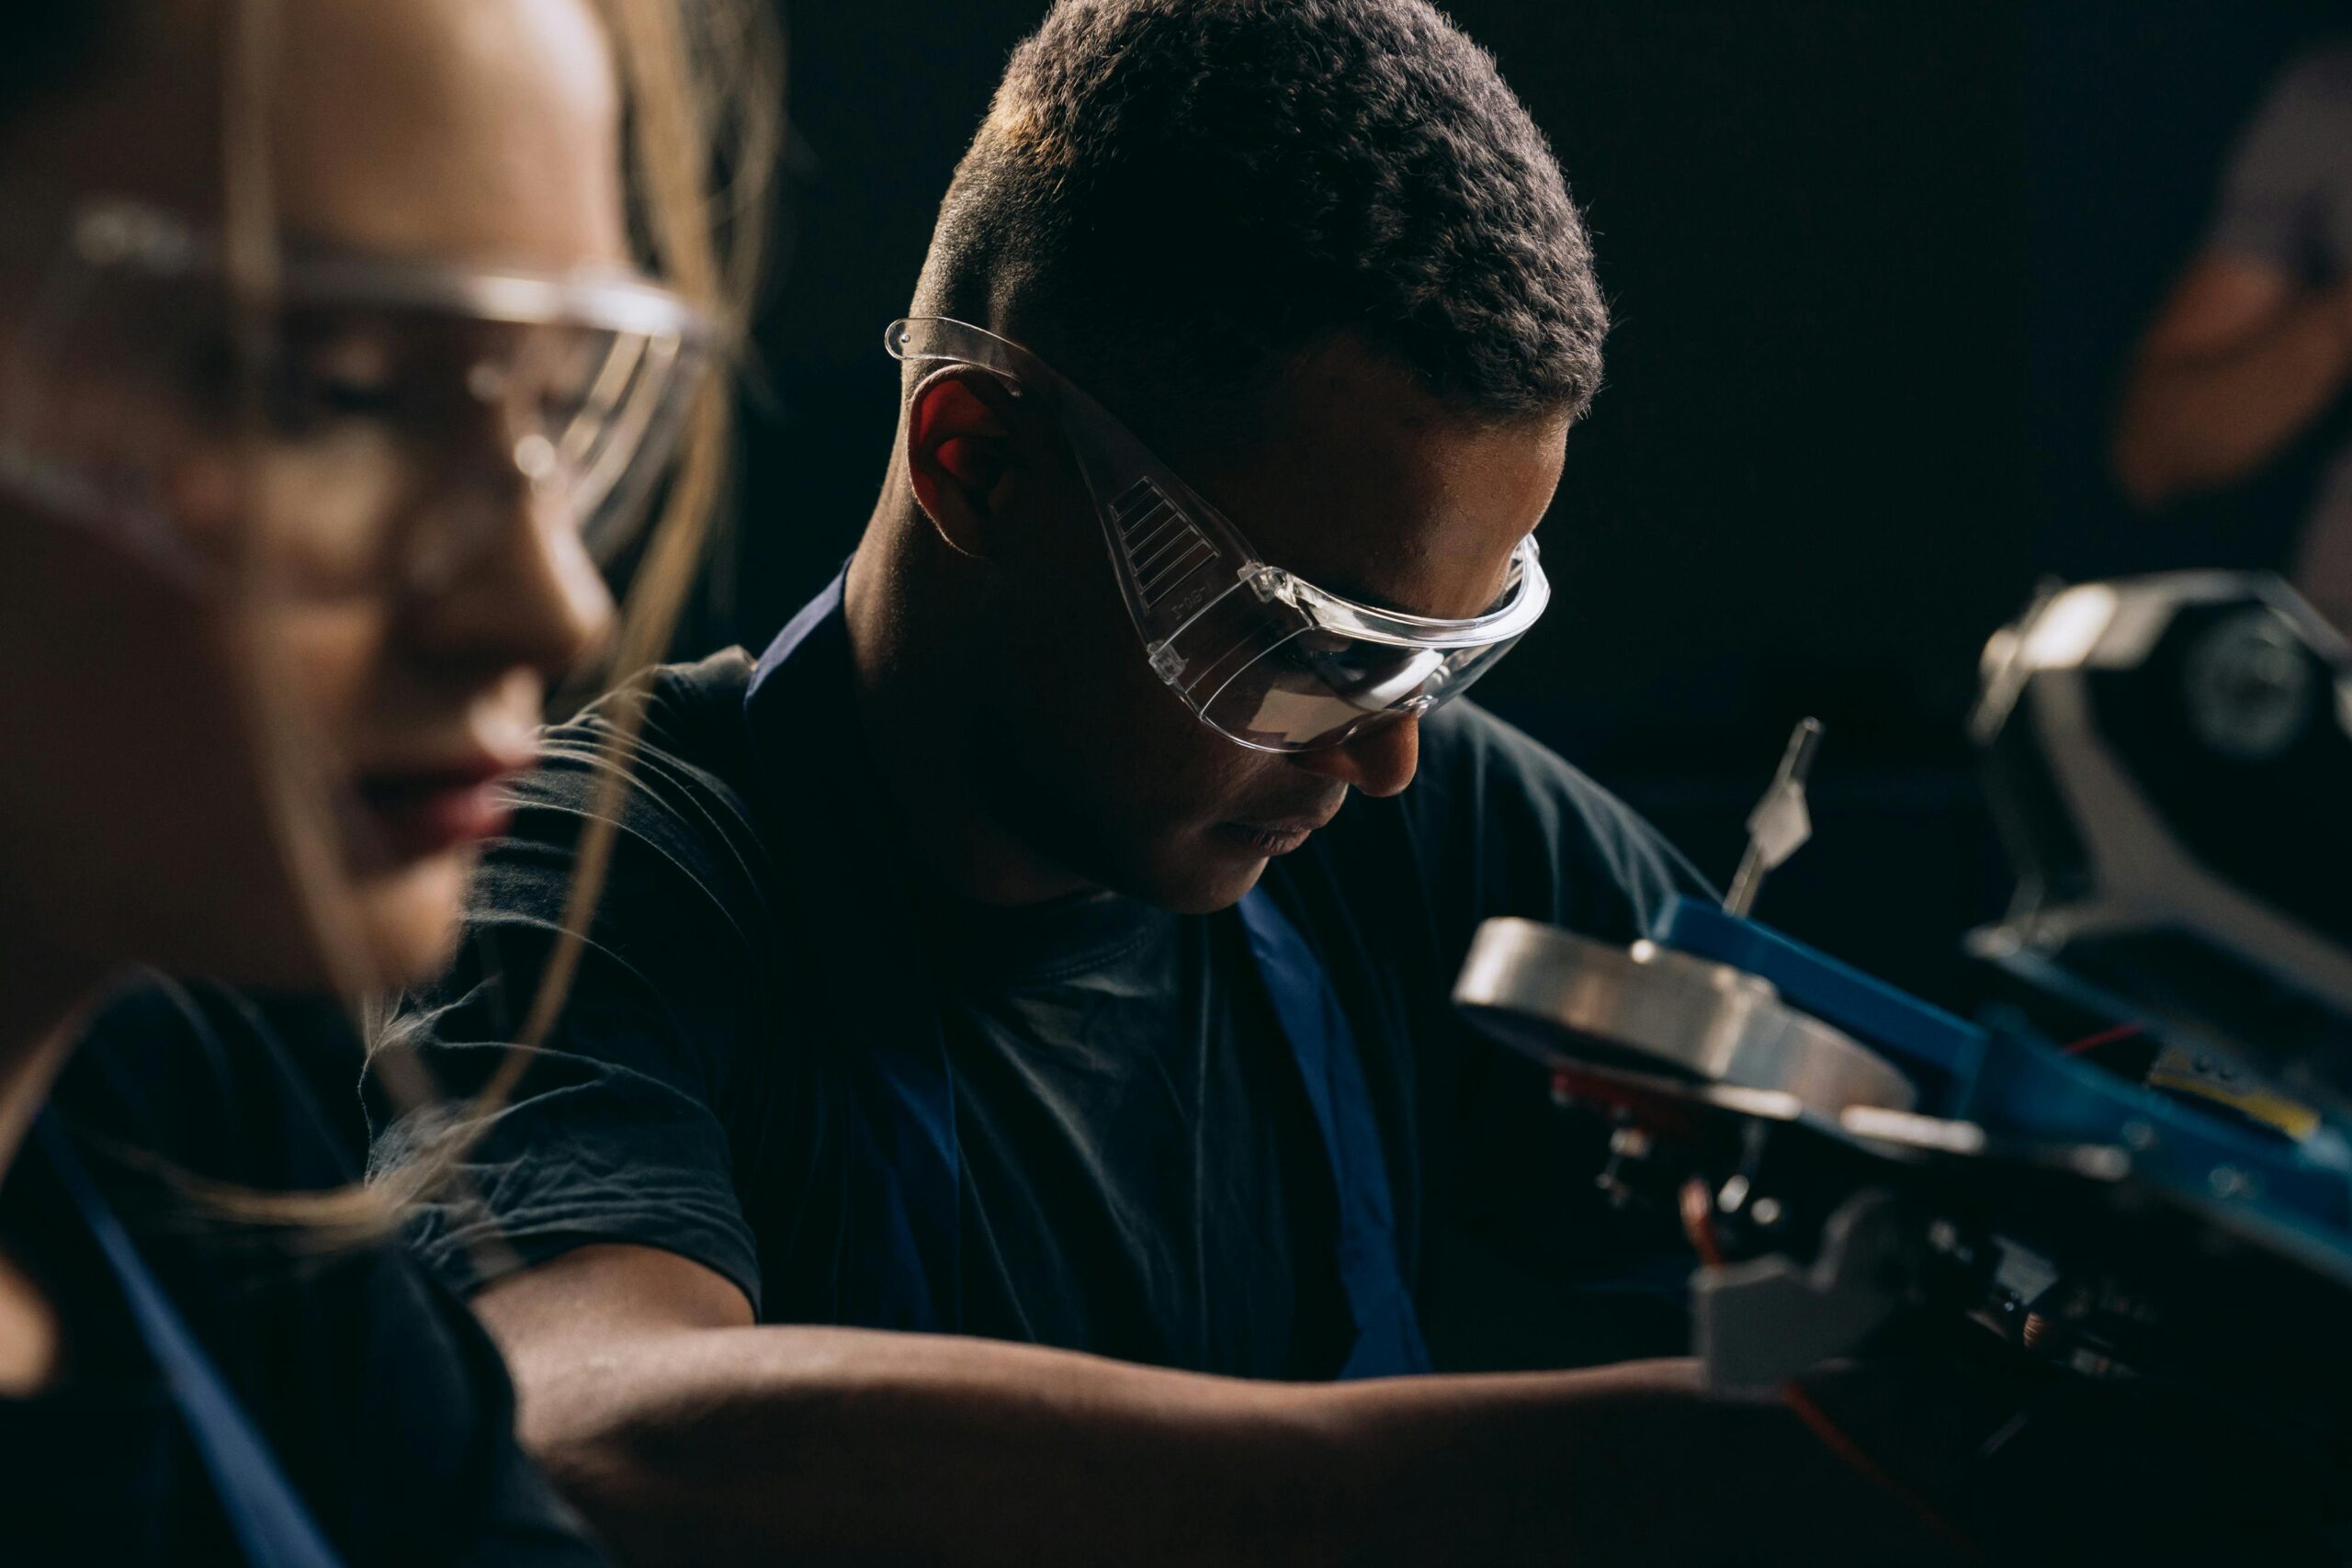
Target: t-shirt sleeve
<point x="613" y="1131"/>
<point x="1528" y="1265"/>
<point x="2275" y="191"/>
<point x="1501" y="825"/>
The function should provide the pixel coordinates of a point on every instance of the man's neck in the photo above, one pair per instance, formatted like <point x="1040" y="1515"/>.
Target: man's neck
<point x="911" y="650"/>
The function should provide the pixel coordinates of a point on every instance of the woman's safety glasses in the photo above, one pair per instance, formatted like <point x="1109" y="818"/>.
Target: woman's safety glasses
<point x="1268" y="659"/>
<point x="404" y="414"/>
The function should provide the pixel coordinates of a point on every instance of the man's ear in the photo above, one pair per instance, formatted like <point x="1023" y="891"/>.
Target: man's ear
<point x="959" y="448"/>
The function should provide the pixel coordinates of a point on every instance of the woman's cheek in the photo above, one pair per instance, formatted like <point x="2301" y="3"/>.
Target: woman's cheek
<point x="329" y="660"/>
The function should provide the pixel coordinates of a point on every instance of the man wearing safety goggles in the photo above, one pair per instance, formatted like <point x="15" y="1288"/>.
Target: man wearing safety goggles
<point x="1040" y="951"/>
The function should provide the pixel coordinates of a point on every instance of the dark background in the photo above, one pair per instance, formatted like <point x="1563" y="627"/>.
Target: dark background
<point x="1876" y="264"/>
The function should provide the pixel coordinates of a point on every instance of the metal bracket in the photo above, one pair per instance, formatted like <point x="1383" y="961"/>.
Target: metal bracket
<point x="1761" y="1322"/>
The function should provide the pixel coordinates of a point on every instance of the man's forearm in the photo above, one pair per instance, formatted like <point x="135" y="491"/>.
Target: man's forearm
<point x="845" y="1445"/>
<point x="2192" y="422"/>
<point x="823" y="1445"/>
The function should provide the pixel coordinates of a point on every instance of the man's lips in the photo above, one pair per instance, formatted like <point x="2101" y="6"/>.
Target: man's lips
<point x="417" y="812"/>
<point x="1278" y="837"/>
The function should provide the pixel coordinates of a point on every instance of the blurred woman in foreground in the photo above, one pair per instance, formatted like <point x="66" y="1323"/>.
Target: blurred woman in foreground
<point x="329" y="355"/>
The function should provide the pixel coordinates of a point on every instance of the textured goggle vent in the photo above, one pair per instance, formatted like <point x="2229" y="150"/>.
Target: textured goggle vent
<point x="1162" y="544"/>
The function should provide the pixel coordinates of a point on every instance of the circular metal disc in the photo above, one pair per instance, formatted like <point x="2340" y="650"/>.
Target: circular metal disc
<point x="1576" y="1004"/>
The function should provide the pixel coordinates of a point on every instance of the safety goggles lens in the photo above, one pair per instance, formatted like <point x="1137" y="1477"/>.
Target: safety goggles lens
<point x="1288" y="670"/>
<point x="1315" y="689"/>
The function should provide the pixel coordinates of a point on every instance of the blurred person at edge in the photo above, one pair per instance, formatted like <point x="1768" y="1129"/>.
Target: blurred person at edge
<point x="957" y="976"/>
<point x="299" y="306"/>
<point x="2253" y="351"/>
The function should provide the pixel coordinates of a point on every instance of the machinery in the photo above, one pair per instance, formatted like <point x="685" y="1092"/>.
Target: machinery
<point x="2122" y="1196"/>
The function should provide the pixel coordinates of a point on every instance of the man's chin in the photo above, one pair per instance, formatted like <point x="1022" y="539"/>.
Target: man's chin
<point x="1205" y="879"/>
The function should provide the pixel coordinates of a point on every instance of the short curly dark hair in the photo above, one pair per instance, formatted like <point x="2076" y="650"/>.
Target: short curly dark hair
<point x="1188" y="194"/>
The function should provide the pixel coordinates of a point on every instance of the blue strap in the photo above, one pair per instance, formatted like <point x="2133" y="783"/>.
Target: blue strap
<point x="1388" y="1334"/>
<point x="264" y="1513"/>
<point x="906" y="1206"/>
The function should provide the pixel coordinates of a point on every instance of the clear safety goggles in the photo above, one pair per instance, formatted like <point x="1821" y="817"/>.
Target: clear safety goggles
<point x="404" y="414"/>
<point x="1266" y="658"/>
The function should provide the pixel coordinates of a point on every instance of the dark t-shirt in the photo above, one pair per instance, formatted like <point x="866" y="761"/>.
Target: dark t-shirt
<point x="696" y="1093"/>
<point x="383" y="1402"/>
<point x="1129" y="1115"/>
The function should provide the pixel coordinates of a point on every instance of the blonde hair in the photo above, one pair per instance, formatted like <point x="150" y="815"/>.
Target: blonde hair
<point x="702" y="83"/>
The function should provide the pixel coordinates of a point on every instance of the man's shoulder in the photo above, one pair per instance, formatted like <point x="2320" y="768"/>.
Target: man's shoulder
<point x="1466" y="749"/>
<point x="675" y="745"/>
<point x="1473" y="762"/>
<point x="1495" y="822"/>
<point x="667" y="759"/>
<point x="690" y="725"/>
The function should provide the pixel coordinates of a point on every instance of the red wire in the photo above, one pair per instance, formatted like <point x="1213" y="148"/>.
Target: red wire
<point x="1835" y="1438"/>
<point x="2090" y="1042"/>
<point x="1698" y="1222"/>
<point x="1698" y="1206"/>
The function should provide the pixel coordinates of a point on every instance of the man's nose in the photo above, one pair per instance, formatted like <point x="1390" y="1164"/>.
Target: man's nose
<point x="1379" y="762"/>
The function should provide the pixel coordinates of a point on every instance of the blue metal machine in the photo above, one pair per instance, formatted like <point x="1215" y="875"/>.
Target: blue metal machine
<point x="2164" y="1203"/>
